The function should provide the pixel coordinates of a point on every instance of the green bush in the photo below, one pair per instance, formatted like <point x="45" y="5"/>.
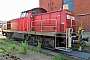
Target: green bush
<point x="24" y="47"/>
<point x="59" y="58"/>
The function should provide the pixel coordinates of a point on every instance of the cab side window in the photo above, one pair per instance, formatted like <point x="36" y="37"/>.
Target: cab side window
<point x="34" y="12"/>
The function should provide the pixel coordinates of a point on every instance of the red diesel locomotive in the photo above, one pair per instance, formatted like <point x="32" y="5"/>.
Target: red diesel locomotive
<point x="54" y="29"/>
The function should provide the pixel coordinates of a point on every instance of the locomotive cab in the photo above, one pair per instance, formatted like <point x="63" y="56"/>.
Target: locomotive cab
<point x="38" y="11"/>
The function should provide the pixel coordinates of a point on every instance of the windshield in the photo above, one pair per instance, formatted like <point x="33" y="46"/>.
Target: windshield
<point x="24" y="14"/>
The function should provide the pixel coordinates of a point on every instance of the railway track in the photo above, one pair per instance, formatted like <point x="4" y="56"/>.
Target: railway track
<point x="73" y="54"/>
<point x="78" y="54"/>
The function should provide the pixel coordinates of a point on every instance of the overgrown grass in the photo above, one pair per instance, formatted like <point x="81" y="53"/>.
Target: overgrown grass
<point x="38" y="47"/>
<point x="3" y="39"/>
<point x="1" y="51"/>
<point x="5" y="43"/>
<point x="47" y="54"/>
<point x="7" y="40"/>
<point x="59" y="58"/>
<point x="13" y="46"/>
<point x="24" y="47"/>
<point x="83" y="45"/>
<point x="1" y="47"/>
<point x="16" y="49"/>
<point x="74" y="45"/>
<point x="15" y="43"/>
<point x="8" y="51"/>
<point x="31" y="49"/>
<point x="10" y="41"/>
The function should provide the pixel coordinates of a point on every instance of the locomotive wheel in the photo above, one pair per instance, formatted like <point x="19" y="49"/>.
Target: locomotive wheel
<point x="31" y="40"/>
<point x="48" y="43"/>
<point x="35" y="41"/>
<point x="8" y="35"/>
<point x="26" y="38"/>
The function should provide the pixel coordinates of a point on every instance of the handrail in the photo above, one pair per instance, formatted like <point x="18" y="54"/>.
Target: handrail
<point x="41" y="25"/>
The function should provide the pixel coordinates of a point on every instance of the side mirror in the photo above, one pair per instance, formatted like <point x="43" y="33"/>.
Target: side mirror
<point x="32" y="17"/>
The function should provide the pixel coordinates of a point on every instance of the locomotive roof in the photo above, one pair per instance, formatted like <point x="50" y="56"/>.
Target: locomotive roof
<point x="34" y="9"/>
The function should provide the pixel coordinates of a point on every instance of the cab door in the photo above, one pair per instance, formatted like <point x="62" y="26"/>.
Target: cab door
<point x="24" y="21"/>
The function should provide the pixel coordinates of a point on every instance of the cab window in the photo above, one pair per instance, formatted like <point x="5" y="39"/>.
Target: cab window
<point x="24" y="14"/>
<point x="34" y="11"/>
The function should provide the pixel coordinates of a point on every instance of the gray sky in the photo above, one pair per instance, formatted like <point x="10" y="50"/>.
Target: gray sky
<point x="11" y="9"/>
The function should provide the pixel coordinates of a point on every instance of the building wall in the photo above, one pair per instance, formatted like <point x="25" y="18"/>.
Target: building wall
<point x="82" y="13"/>
<point x="81" y="10"/>
<point x="51" y="5"/>
<point x="44" y="4"/>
